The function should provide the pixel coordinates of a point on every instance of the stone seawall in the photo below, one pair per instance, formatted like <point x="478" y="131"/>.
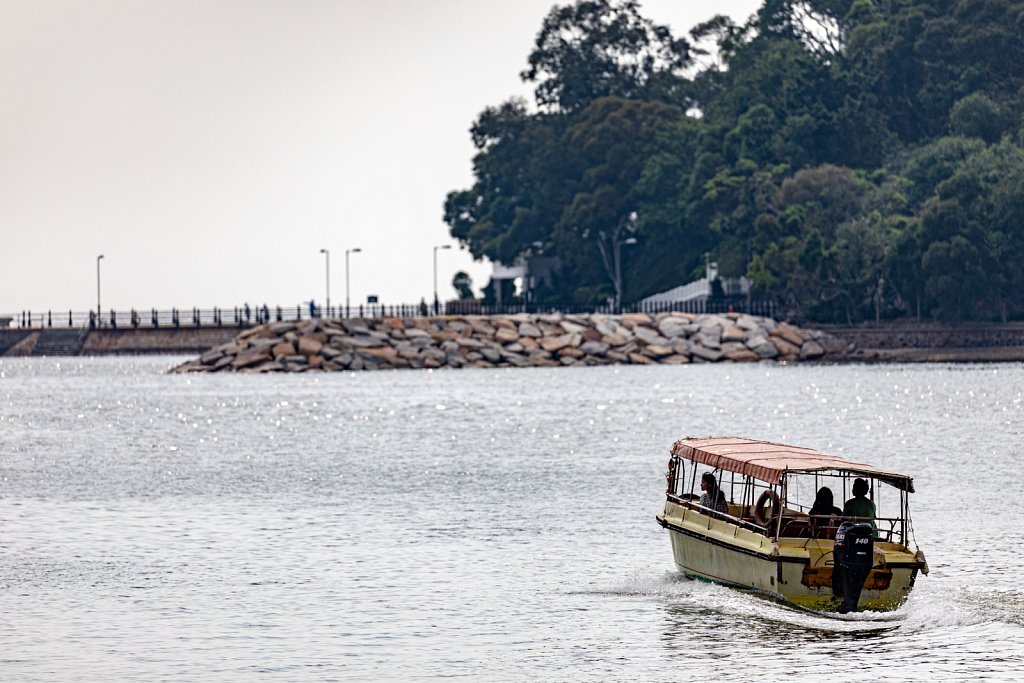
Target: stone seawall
<point x="525" y="340"/>
<point x="107" y="342"/>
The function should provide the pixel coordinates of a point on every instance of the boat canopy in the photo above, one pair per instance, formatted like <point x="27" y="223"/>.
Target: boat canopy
<point x="770" y="461"/>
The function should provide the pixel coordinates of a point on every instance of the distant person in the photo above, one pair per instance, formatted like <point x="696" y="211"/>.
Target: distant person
<point x="266" y="314"/>
<point x="824" y="514"/>
<point x="859" y="505"/>
<point x="712" y="497"/>
<point x="312" y="308"/>
<point x="424" y="309"/>
<point x="248" y="313"/>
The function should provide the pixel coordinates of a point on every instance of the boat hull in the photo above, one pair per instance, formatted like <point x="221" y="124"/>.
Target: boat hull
<point x="798" y="570"/>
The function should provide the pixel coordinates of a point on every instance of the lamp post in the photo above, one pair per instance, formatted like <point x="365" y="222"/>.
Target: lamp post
<point x="347" y="252"/>
<point x="437" y="303"/>
<point x="613" y="260"/>
<point x="327" y="272"/>
<point x="98" y="309"/>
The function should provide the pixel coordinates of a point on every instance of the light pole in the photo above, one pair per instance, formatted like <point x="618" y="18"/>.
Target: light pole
<point x="98" y="309"/>
<point x="347" y="252"/>
<point x="437" y="304"/>
<point x="327" y="267"/>
<point x="613" y="260"/>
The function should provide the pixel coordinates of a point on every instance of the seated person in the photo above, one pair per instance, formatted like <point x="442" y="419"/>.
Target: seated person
<point x="712" y="498"/>
<point x="823" y="513"/>
<point x="860" y="506"/>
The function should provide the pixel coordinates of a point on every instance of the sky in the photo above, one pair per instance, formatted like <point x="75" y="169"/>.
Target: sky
<point x="210" y="149"/>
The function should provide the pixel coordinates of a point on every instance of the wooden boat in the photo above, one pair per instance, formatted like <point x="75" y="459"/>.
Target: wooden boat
<point x="768" y="541"/>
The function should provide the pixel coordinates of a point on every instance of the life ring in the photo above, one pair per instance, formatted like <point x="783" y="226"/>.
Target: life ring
<point x="759" y="508"/>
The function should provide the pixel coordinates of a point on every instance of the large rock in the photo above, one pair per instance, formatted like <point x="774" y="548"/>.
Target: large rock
<point x="527" y="329"/>
<point x="507" y="334"/>
<point x="762" y="347"/>
<point x="789" y="333"/>
<point x="648" y="336"/>
<point x="555" y="343"/>
<point x="594" y="348"/>
<point x="705" y="353"/>
<point x="732" y="333"/>
<point x="309" y="345"/>
<point x="811" y="350"/>
<point x="675" y="327"/>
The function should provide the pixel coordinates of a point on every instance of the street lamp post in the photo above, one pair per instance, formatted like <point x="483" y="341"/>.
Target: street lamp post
<point x="327" y="272"/>
<point x="613" y="260"/>
<point x="347" y="252"/>
<point x="98" y="309"/>
<point x="437" y="303"/>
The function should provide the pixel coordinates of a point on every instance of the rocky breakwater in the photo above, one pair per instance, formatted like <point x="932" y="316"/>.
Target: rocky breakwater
<point x="525" y="340"/>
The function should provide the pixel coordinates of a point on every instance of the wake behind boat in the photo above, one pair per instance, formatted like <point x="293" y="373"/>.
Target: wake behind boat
<point x="756" y="526"/>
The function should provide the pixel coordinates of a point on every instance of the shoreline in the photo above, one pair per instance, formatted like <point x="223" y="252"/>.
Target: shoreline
<point x="866" y="343"/>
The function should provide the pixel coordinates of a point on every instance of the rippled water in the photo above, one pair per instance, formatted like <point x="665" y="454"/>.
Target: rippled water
<point x="476" y="524"/>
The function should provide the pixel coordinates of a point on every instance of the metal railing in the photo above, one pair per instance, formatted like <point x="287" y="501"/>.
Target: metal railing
<point x="245" y="315"/>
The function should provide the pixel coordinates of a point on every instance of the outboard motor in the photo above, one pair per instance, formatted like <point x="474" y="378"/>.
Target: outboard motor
<point x="854" y="556"/>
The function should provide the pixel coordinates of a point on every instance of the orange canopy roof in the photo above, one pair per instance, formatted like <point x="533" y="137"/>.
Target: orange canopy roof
<point x="769" y="461"/>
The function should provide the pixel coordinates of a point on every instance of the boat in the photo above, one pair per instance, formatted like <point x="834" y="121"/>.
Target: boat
<point x="769" y="542"/>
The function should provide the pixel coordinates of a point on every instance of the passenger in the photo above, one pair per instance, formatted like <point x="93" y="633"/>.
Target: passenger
<point x="860" y="506"/>
<point x="823" y="514"/>
<point x="712" y="498"/>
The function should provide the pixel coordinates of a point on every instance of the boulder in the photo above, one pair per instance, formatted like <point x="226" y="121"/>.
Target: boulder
<point x="648" y="336"/>
<point x="506" y="334"/>
<point x="251" y="357"/>
<point x="740" y="355"/>
<point x="309" y="346"/>
<point x="811" y="350"/>
<point x="594" y="348"/>
<point x="631" y="320"/>
<point x="785" y="349"/>
<point x="481" y="327"/>
<point x="705" y="353"/>
<point x="211" y="356"/>
<point x="615" y="339"/>
<point x="554" y="343"/>
<point x="528" y="329"/>
<point x="789" y="333"/>
<point x="675" y="327"/>
<point x="657" y="350"/>
<point x="732" y="333"/>
<point x="710" y="337"/>
<point x="762" y="347"/>
<point x="283" y="349"/>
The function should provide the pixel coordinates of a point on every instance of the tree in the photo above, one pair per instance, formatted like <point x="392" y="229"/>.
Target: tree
<point x="463" y="284"/>
<point x="601" y="48"/>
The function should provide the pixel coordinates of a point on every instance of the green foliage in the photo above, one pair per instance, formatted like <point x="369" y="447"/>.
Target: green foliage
<point x="603" y="48"/>
<point x="463" y="284"/>
<point x="857" y="159"/>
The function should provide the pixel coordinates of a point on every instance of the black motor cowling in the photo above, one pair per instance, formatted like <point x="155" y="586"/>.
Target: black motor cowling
<point x="854" y="555"/>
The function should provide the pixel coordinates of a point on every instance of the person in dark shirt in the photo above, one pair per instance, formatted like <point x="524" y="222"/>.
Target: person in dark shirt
<point x="712" y="498"/>
<point x="824" y="514"/>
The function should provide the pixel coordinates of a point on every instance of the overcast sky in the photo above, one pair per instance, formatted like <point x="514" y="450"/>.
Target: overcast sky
<point x="211" y="148"/>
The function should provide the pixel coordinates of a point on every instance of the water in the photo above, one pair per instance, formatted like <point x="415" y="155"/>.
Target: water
<point x="471" y="524"/>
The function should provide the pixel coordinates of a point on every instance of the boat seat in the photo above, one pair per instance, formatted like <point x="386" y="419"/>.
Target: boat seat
<point x="796" y="527"/>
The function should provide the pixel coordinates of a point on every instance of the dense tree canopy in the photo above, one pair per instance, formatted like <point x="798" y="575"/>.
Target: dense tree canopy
<point x="857" y="159"/>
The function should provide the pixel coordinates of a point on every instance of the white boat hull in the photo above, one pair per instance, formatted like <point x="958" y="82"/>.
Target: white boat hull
<point x="795" y="569"/>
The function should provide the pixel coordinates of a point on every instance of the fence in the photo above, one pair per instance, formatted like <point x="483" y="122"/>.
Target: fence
<point x="240" y="316"/>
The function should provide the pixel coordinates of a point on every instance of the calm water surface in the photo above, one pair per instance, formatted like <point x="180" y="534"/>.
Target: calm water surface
<point x="472" y="524"/>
